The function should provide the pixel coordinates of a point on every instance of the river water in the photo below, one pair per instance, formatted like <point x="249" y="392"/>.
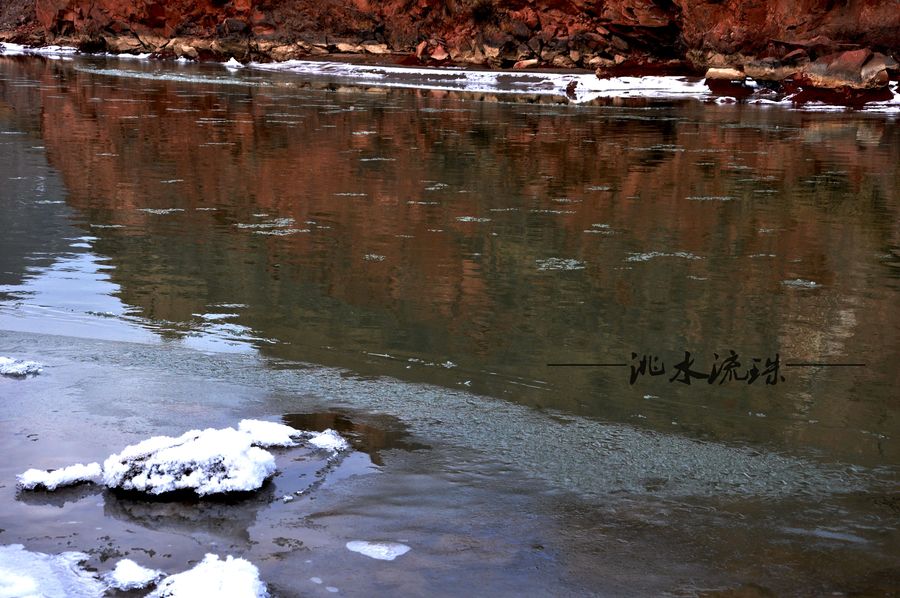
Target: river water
<point x="465" y="286"/>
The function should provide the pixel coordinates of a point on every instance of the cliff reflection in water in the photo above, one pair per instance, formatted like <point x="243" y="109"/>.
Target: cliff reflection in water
<point x="384" y="231"/>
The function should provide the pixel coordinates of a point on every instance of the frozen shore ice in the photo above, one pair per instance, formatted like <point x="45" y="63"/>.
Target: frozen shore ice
<point x="383" y="551"/>
<point x="24" y="573"/>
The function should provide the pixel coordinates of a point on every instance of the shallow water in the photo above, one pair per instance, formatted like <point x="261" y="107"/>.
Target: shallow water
<point x="185" y="246"/>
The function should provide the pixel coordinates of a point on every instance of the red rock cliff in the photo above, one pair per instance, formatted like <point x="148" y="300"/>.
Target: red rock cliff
<point x="562" y="33"/>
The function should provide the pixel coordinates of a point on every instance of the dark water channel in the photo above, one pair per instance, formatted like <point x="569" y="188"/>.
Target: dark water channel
<point x="183" y="246"/>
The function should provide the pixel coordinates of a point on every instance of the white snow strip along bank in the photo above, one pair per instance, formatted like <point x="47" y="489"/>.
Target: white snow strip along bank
<point x="383" y="551"/>
<point x="231" y="578"/>
<point x="128" y="575"/>
<point x="67" y="476"/>
<point x="33" y="574"/>
<point x="18" y="49"/>
<point x="18" y="367"/>
<point x="203" y="461"/>
<point x="587" y="85"/>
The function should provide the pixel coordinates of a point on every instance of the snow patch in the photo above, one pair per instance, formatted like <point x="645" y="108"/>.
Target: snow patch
<point x="18" y="367"/>
<point x="383" y="551"/>
<point x="231" y="578"/>
<point x="128" y="575"/>
<point x="33" y="574"/>
<point x="67" y="476"/>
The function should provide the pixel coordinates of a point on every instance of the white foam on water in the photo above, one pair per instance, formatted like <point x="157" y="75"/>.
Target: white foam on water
<point x="799" y="283"/>
<point x="67" y="476"/>
<point x="35" y="574"/>
<point x="128" y="575"/>
<point x="646" y="257"/>
<point x="383" y="551"/>
<point x="558" y="263"/>
<point x="231" y="578"/>
<point x="19" y="367"/>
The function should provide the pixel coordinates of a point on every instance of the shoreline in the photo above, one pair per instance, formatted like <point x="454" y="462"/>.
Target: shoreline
<point x="578" y="86"/>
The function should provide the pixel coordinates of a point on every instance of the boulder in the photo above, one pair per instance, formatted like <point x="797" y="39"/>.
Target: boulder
<point x="769" y="69"/>
<point x="854" y="69"/>
<point x="725" y="74"/>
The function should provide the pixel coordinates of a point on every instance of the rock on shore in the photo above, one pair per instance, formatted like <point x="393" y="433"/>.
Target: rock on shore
<point x="576" y="34"/>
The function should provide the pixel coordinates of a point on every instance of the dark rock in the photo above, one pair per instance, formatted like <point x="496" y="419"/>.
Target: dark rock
<point x="232" y="26"/>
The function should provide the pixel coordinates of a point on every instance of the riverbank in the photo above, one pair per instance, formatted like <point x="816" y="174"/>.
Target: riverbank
<point x="832" y="54"/>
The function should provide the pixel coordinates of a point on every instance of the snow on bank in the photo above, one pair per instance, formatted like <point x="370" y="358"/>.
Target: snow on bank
<point x="18" y="367"/>
<point x="203" y="461"/>
<point x="231" y="578"/>
<point x="24" y="573"/>
<point x="383" y="551"/>
<point x="128" y="575"/>
<point x="67" y="476"/>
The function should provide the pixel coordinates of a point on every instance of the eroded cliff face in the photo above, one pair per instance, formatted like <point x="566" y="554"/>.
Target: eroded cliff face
<point x="559" y="33"/>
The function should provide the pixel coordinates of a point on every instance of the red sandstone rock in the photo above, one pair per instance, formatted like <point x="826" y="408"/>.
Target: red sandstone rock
<point x="561" y="32"/>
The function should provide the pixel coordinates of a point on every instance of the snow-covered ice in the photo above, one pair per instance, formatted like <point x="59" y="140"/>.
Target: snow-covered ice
<point x="128" y="575"/>
<point x="265" y="434"/>
<point x="231" y="578"/>
<point x="207" y="462"/>
<point x="67" y="476"/>
<point x="232" y="63"/>
<point x="33" y="574"/>
<point x="329" y="440"/>
<point x="383" y="551"/>
<point x="18" y="367"/>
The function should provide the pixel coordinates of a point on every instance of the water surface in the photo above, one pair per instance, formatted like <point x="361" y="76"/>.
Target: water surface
<point x="185" y="246"/>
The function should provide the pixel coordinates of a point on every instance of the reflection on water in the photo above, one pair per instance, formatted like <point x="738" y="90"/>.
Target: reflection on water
<point x="467" y="244"/>
<point x="470" y="243"/>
